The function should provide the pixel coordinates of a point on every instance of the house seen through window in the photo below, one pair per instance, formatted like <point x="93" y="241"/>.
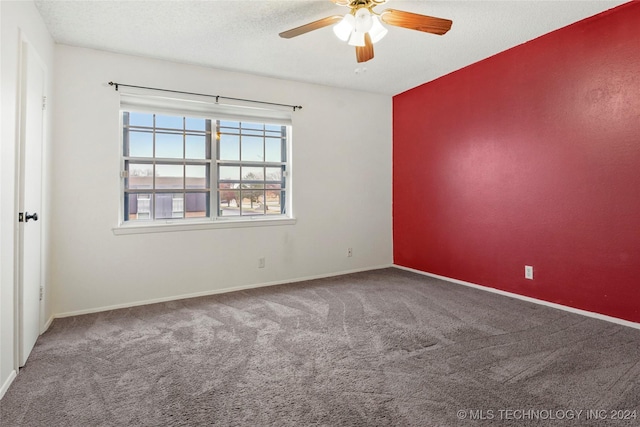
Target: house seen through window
<point x="177" y="167"/>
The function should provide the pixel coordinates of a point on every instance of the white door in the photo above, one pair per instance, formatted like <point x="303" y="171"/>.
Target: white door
<point x="30" y="200"/>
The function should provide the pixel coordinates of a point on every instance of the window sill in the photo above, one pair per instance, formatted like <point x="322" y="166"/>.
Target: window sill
<point x="169" y="226"/>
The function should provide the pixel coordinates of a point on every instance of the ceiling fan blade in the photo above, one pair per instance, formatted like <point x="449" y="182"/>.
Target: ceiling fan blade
<point x="365" y="53"/>
<point x="320" y="23"/>
<point x="414" y="21"/>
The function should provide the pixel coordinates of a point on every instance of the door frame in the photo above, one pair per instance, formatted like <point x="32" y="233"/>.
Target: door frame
<point x="24" y="48"/>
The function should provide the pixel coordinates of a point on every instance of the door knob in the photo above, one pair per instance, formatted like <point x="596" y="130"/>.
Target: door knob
<point x="33" y="216"/>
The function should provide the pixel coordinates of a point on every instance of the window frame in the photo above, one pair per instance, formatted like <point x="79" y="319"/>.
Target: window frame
<point x="154" y="161"/>
<point x="215" y="219"/>
<point x="241" y="164"/>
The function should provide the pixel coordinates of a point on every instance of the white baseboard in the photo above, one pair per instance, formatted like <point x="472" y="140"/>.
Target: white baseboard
<point x="47" y="325"/>
<point x="214" y="292"/>
<point x="7" y="383"/>
<point x="529" y="299"/>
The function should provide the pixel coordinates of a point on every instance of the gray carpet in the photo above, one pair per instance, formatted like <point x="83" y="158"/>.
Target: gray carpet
<point x="381" y="348"/>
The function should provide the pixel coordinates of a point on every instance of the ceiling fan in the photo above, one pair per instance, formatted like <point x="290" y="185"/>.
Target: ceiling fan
<point x="361" y="26"/>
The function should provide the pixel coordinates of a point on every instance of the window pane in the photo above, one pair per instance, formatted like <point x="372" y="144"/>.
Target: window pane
<point x="169" y="205"/>
<point x="169" y="122"/>
<point x="169" y="176"/>
<point x="229" y="204"/>
<point x="229" y="147"/>
<point x="252" y="202"/>
<point x="259" y="133"/>
<point x="169" y="145"/>
<point x="252" y="173"/>
<point x="273" y="128"/>
<point x="140" y="176"/>
<point x="196" y="147"/>
<point x="274" y="174"/>
<point x="273" y="148"/>
<point x="258" y="126"/>
<point x="229" y="127"/>
<point x="140" y="119"/>
<point x="273" y="202"/>
<point x="196" y="176"/>
<point x="196" y="205"/>
<point x="229" y="124"/>
<point x="252" y="149"/>
<point x="231" y="173"/>
<point x="192" y="123"/>
<point x="139" y="206"/>
<point x="140" y="144"/>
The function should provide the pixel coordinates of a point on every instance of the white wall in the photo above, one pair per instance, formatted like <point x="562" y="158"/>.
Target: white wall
<point x="16" y="17"/>
<point x="342" y="189"/>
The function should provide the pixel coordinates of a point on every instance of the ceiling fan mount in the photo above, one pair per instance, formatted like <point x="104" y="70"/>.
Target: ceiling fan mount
<point x="359" y="3"/>
<point x="362" y="26"/>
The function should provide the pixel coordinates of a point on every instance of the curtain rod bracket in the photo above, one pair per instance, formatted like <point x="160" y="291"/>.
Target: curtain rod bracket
<point x="217" y="97"/>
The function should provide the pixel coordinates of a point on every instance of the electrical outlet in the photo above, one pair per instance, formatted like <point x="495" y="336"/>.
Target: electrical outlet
<point x="261" y="262"/>
<point x="528" y="272"/>
<point x="349" y="252"/>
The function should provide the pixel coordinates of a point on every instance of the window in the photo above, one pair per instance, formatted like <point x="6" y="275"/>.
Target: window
<point x="189" y="168"/>
<point x="251" y="159"/>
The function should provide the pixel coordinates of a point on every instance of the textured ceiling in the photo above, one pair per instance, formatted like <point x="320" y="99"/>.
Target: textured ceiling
<point x="242" y="35"/>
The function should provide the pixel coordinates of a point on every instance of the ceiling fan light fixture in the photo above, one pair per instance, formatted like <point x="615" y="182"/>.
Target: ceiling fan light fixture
<point x="363" y="21"/>
<point x="343" y="29"/>
<point x="377" y="31"/>
<point x="357" y="38"/>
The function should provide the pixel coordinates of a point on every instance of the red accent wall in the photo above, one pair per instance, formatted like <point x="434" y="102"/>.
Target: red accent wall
<point x="530" y="157"/>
